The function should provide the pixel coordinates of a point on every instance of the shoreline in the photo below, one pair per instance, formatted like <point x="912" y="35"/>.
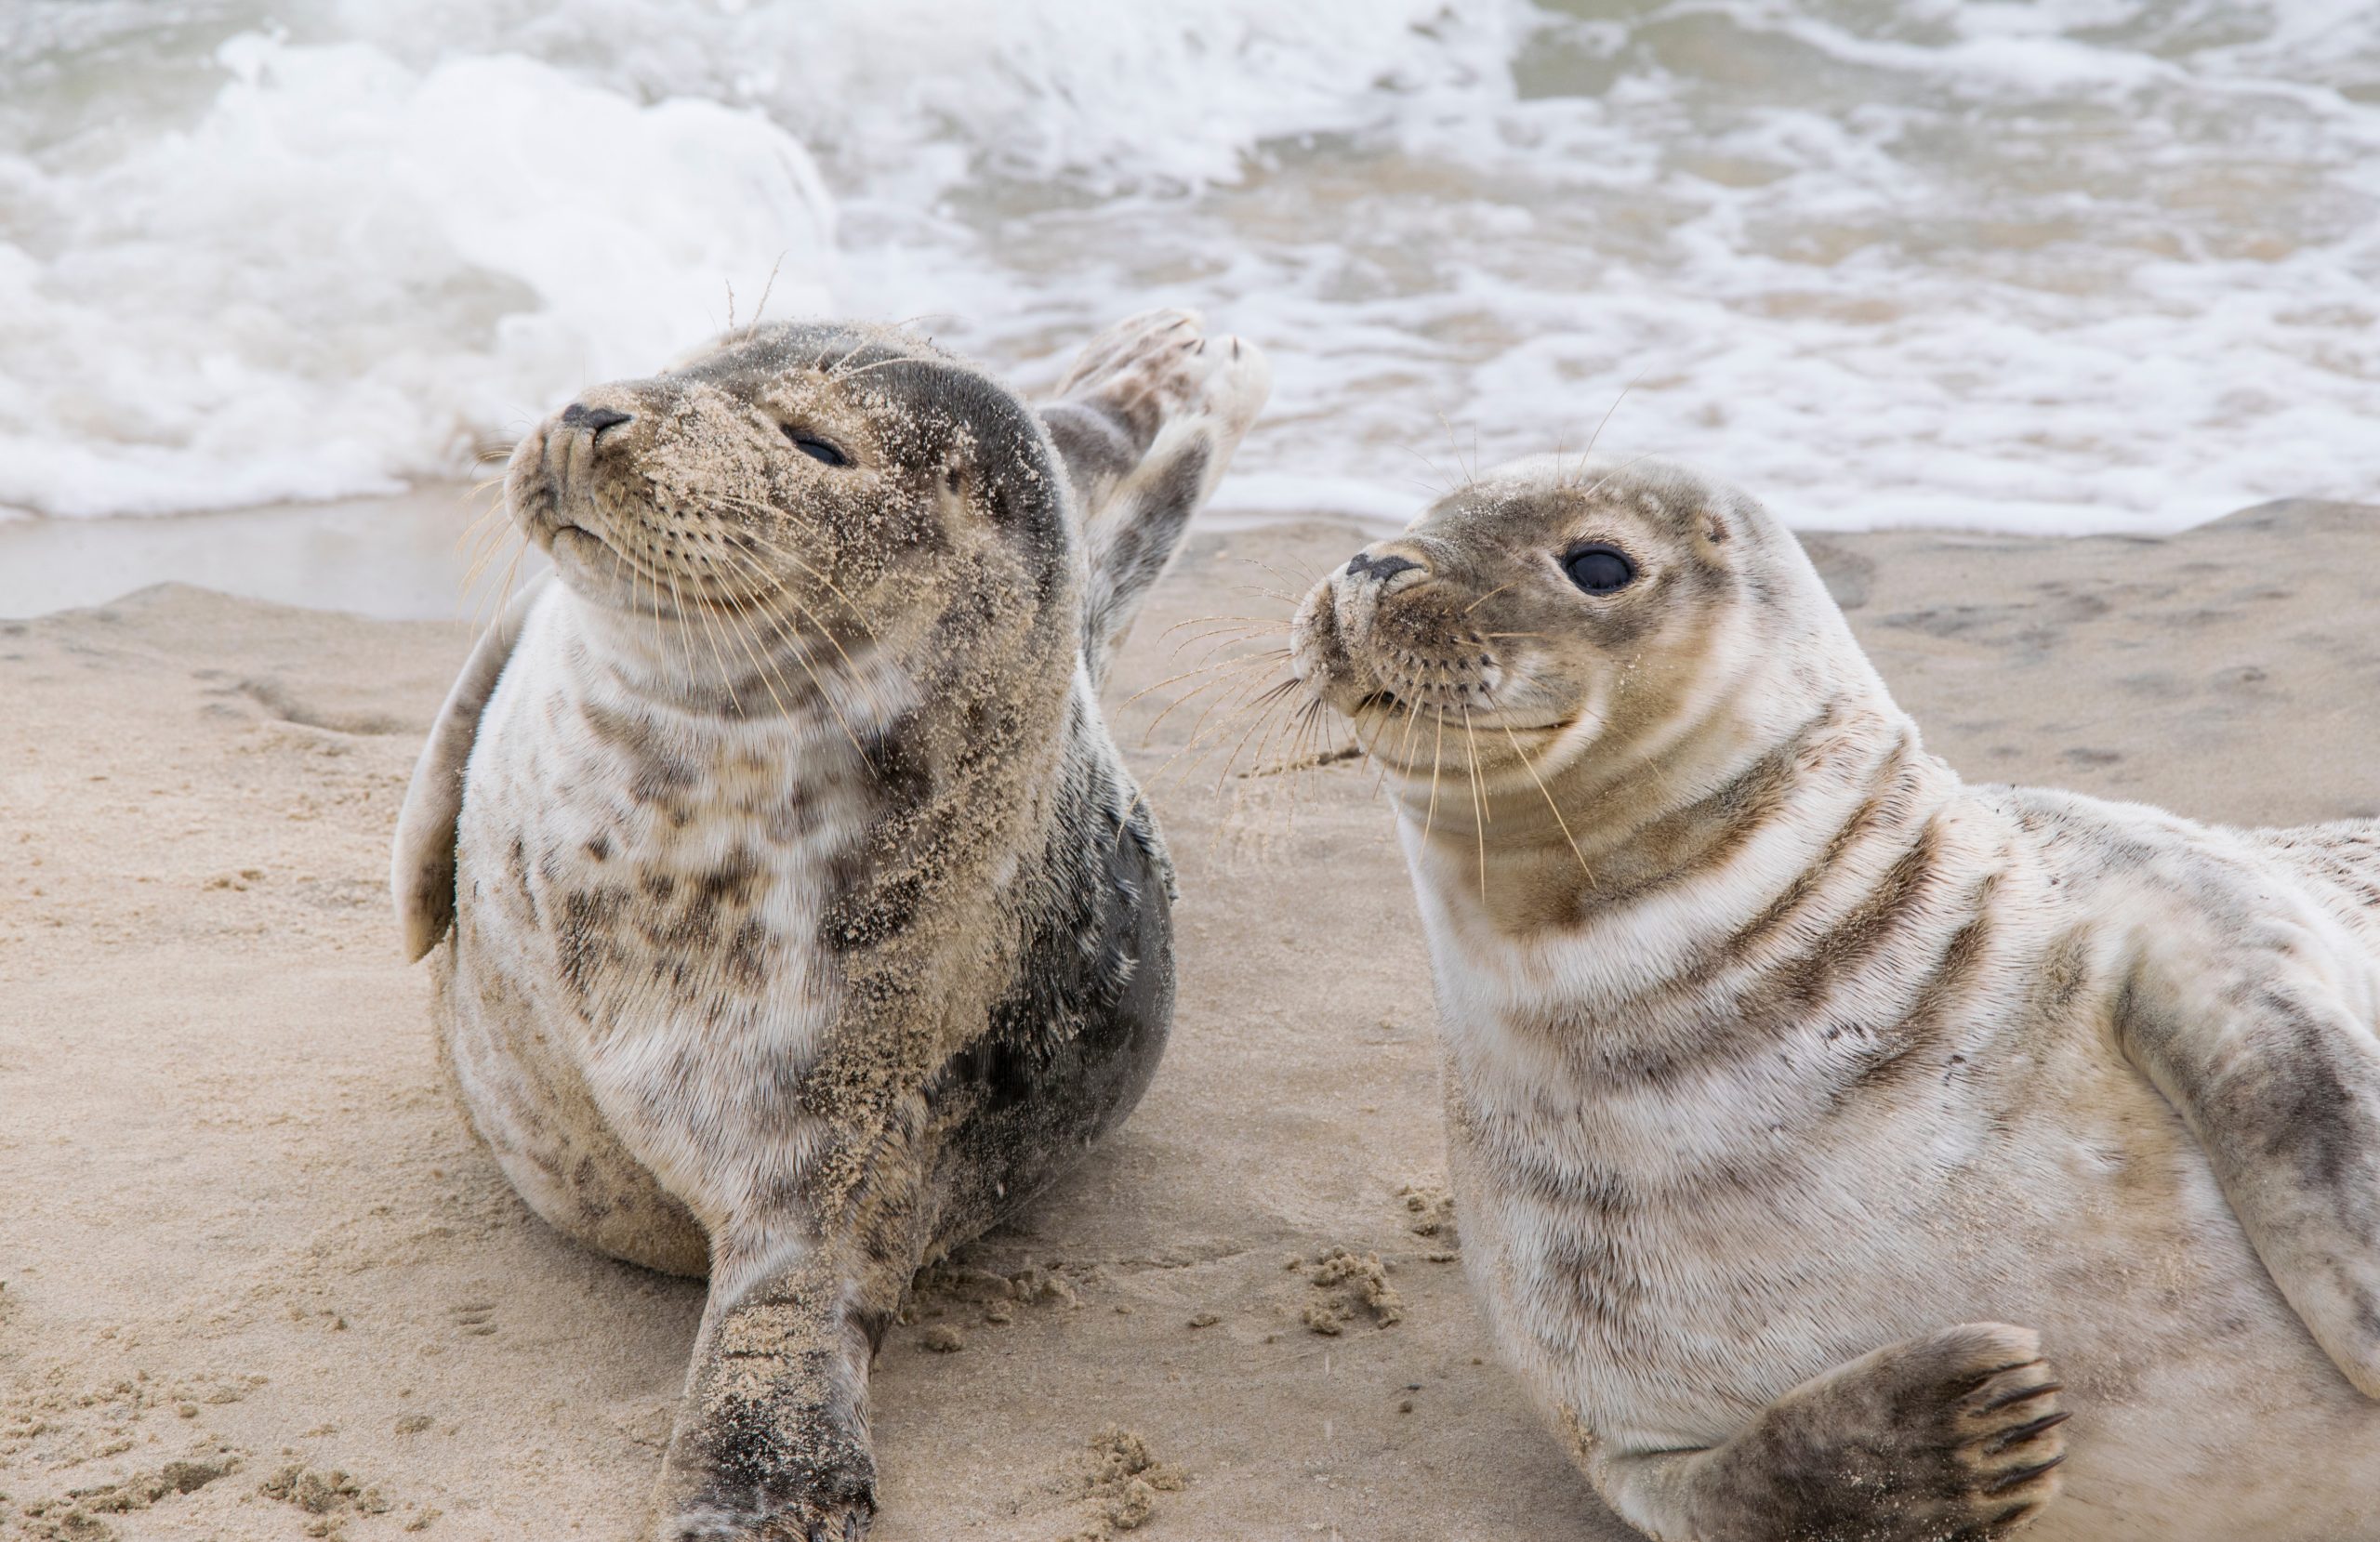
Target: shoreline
<point x="410" y="556"/>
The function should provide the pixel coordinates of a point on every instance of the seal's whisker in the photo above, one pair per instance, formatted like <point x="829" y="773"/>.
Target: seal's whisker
<point x="1454" y="448"/>
<point x="801" y="656"/>
<point x="1198" y="730"/>
<point x="1438" y="752"/>
<point x="677" y="597"/>
<point x="501" y="598"/>
<point x="1257" y="695"/>
<point x="1489" y="596"/>
<point x="1261" y="706"/>
<point x="1283" y="716"/>
<point x="1478" y="801"/>
<point x="686" y="648"/>
<point x="1269" y="722"/>
<point x="1606" y="420"/>
<point x="1190" y="674"/>
<point x="1301" y="724"/>
<point x="483" y="553"/>
<point x="772" y="588"/>
<point x="1445" y="483"/>
<point x="1305" y="580"/>
<point x="774" y="550"/>
<point x="1623" y="466"/>
<point x="1554" y="808"/>
<point x="1203" y="620"/>
<point x="754" y="325"/>
<point x="1220" y="638"/>
<point x="755" y="648"/>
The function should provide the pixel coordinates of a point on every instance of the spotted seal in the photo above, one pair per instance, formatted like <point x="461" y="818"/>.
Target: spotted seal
<point x="1826" y="1130"/>
<point x="793" y="915"/>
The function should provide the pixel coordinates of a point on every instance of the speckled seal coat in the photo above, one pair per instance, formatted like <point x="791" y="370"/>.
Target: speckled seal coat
<point x="1845" y="1152"/>
<point x="803" y="920"/>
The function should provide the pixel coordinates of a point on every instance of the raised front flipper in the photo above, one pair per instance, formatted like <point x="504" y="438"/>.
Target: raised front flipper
<point x="2266" y="1048"/>
<point x="1954" y="1437"/>
<point x="1146" y="422"/>
<point x="421" y="871"/>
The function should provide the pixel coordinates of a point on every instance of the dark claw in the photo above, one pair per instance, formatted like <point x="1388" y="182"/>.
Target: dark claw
<point x="2018" y="1476"/>
<point x="2022" y="1394"/>
<point x="2027" y="1431"/>
<point x="2010" y="1516"/>
<point x="1974" y="1380"/>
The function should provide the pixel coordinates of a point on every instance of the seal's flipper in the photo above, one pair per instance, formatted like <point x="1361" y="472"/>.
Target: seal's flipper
<point x="1146" y="422"/>
<point x="421" y="873"/>
<point x="2279" y="1078"/>
<point x="1952" y="1435"/>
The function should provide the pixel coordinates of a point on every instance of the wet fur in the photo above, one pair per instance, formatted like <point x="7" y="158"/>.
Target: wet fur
<point x="1815" y="1116"/>
<point x="804" y="921"/>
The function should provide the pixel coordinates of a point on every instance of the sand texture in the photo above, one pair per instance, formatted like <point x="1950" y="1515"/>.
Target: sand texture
<point x="259" y="1282"/>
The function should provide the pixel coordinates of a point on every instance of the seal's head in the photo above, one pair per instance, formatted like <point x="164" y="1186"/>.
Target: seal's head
<point x="1553" y="618"/>
<point x="805" y="478"/>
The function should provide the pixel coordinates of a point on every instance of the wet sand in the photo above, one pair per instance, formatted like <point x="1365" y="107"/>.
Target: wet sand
<point x="248" y="1232"/>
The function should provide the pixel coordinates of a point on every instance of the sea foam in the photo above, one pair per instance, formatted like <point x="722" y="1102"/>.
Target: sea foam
<point x="2083" y="265"/>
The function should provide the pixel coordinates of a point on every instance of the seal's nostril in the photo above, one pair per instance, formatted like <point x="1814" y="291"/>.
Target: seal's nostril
<point x="578" y="414"/>
<point x="1382" y="569"/>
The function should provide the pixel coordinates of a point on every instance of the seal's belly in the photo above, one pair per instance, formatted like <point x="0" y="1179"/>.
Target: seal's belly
<point x="636" y="985"/>
<point x="2068" y="1199"/>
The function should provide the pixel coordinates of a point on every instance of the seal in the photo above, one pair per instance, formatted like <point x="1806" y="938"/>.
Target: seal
<point x="1826" y="1130"/>
<point x="792" y="916"/>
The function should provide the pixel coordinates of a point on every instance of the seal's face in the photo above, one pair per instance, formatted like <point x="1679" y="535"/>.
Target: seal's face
<point x="799" y="479"/>
<point x="1531" y="616"/>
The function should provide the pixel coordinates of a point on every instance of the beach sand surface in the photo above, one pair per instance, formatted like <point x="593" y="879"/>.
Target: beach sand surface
<point x="261" y="1282"/>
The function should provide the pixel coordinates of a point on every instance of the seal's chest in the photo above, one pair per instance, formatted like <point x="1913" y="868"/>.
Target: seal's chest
<point x="653" y="871"/>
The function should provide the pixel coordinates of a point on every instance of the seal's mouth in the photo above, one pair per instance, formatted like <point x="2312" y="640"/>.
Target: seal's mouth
<point x="1387" y="711"/>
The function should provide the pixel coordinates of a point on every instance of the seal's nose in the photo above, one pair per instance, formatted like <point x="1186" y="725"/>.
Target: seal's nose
<point x="578" y="414"/>
<point x="1379" y="569"/>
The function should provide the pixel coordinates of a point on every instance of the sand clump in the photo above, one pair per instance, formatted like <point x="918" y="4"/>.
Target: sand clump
<point x="993" y="1299"/>
<point x="329" y="1496"/>
<point x="1123" y="1483"/>
<point x="1348" y="1285"/>
<point x="1431" y="1209"/>
<point x="75" y="1518"/>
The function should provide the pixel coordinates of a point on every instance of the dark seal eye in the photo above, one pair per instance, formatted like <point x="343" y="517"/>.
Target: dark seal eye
<point x="1599" y="569"/>
<point x="816" y="449"/>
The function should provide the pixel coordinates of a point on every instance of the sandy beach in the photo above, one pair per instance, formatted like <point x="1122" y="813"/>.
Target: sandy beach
<point x="257" y="1281"/>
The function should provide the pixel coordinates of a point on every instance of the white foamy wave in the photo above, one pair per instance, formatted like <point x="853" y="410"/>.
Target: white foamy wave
<point x="2066" y="266"/>
<point x="401" y="230"/>
<point x="920" y="95"/>
<point x="348" y="270"/>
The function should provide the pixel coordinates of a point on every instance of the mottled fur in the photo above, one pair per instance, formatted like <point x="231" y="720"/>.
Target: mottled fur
<point x="804" y="919"/>
<point x="1786" y="1071"/>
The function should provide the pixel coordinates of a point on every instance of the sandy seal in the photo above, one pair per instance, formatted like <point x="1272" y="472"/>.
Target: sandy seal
<point x="1826" y="1130"/>
<point x="804" y="921"/>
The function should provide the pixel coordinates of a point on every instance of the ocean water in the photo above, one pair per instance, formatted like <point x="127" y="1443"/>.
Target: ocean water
<point x="2080" y="265"/>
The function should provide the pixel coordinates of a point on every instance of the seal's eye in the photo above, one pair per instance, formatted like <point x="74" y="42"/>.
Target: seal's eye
<point x="1599" y="569"/>
<point x="816" y="449"/>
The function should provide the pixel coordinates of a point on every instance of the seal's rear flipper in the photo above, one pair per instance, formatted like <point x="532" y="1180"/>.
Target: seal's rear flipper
<point x="1146" y="422"/>
<point x="421" y="873"/>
